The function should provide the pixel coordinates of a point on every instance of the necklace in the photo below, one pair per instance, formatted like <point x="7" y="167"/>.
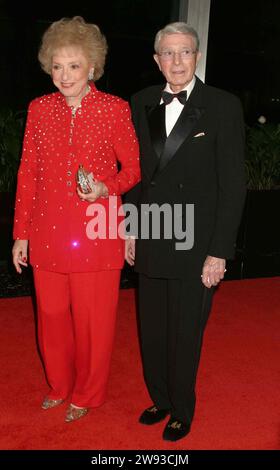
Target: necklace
<point x="74" y="108"/>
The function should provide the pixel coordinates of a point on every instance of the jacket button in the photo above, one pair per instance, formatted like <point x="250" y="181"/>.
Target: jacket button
<point x="180" y="185"/>
<point x="153" y="183"/>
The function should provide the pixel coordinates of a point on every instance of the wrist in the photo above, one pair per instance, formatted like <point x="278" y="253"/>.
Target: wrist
<point x="104" y="190"/>
<point x="101" y="189"/>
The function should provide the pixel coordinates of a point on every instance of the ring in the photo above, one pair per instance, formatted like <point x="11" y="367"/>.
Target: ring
<point x="224" y="270"/>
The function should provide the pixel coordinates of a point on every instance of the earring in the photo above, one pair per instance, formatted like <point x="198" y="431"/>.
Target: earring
<point x="90" y="75"/>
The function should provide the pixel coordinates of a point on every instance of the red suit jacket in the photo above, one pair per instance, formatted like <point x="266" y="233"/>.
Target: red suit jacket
<point x="48" y="210"/>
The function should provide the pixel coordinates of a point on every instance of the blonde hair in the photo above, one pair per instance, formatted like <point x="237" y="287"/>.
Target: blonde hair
<point x="74" y="32"/>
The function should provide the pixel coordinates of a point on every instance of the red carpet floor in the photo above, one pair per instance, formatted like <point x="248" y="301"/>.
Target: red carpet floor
<point x="238" y="389"/>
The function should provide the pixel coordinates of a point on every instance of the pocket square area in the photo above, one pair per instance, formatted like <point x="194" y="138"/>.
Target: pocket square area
<point x="200" y="134"/>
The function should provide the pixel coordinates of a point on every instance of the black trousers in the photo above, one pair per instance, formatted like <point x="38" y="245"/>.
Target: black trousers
<point x="172" y="317"/>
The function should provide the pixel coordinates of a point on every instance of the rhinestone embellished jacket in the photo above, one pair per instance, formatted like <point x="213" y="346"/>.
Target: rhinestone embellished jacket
<point x="48" y="210"/>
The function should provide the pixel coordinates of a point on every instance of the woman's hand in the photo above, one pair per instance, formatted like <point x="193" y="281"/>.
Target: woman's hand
<point x="19" y="253"/>
<point x="213" y="271"/>
<point x="130" y="250"/>
<point x="99" y="190"/>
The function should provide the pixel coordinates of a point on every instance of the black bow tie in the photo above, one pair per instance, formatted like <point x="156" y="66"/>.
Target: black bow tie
<point x="168" y="97"/>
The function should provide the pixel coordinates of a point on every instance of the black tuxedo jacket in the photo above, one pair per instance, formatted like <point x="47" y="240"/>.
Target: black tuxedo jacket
<point x="206" y="170"/>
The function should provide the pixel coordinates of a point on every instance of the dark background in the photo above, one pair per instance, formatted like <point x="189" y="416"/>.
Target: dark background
<point x="243" y="53"/>
<point x="243" y="57"/>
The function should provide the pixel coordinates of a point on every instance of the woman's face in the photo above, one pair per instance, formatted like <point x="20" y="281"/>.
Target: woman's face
<point x="70" y="69"/>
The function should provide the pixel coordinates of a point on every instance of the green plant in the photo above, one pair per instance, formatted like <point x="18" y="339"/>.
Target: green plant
<point x="263" y="156"/>
<point x="11" y="133"/>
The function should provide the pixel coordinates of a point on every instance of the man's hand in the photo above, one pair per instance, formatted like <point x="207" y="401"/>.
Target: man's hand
<point x="130" y="251"/>
<point x="19" y="252"/>
<point x="100" y="190"/>
<point x="213" y="271"/>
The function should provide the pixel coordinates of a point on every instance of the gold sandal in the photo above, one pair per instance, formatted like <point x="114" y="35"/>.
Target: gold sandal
<point x="73" y="413"/>
<point x="50" y="403"/>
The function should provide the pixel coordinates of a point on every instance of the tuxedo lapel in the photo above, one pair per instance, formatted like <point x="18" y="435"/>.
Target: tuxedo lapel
<point x="156" y="121"/>
<point x="180" y="132"/>
<point x="166" y="147"/>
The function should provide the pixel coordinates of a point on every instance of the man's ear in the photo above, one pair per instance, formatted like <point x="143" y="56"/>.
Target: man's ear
<point x="198" y="57"/>
<point x="157" y="61"/>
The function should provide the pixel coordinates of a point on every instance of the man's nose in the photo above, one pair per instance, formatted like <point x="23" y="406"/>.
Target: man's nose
<point x="177" y="57"/>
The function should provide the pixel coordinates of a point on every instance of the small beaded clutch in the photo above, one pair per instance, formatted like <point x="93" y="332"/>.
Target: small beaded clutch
<point x="85" y="180"/>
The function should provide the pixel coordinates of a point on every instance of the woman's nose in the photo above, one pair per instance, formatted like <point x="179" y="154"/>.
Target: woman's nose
<point x="65" y="74"/>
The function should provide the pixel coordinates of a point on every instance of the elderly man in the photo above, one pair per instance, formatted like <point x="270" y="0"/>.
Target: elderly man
<point x="192" y="143"/>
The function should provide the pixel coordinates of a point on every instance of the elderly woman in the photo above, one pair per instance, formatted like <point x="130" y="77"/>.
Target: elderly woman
<point x="76" y="274"/>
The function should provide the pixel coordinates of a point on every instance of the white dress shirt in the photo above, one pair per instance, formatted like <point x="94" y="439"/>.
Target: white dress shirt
<point x="174" y="109"/>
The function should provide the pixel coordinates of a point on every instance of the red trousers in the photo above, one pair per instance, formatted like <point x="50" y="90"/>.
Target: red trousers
<point x="76" y="324"/>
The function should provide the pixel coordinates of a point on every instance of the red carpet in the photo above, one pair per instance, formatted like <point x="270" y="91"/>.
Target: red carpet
<point x="238" y="392"/>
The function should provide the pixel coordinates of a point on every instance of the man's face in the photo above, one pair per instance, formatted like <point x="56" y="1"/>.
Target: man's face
<point x="177" y="59"/>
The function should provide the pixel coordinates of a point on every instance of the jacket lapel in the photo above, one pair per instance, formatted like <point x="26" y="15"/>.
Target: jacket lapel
<point x="156" y="122"/>
<point x="192" y="112"/>
<point x="180" y="132"/>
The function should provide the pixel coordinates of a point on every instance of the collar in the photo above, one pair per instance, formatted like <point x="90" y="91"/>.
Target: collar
<point x="87" y="98"/>
<point x="189" y="88"/>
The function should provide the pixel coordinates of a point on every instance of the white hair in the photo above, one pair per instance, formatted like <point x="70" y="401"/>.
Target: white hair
<point x="178" y="27"/>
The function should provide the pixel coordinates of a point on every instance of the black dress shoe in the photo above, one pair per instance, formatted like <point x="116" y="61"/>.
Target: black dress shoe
<point x="153" y="415"/>
<point x="175" y="430"/>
